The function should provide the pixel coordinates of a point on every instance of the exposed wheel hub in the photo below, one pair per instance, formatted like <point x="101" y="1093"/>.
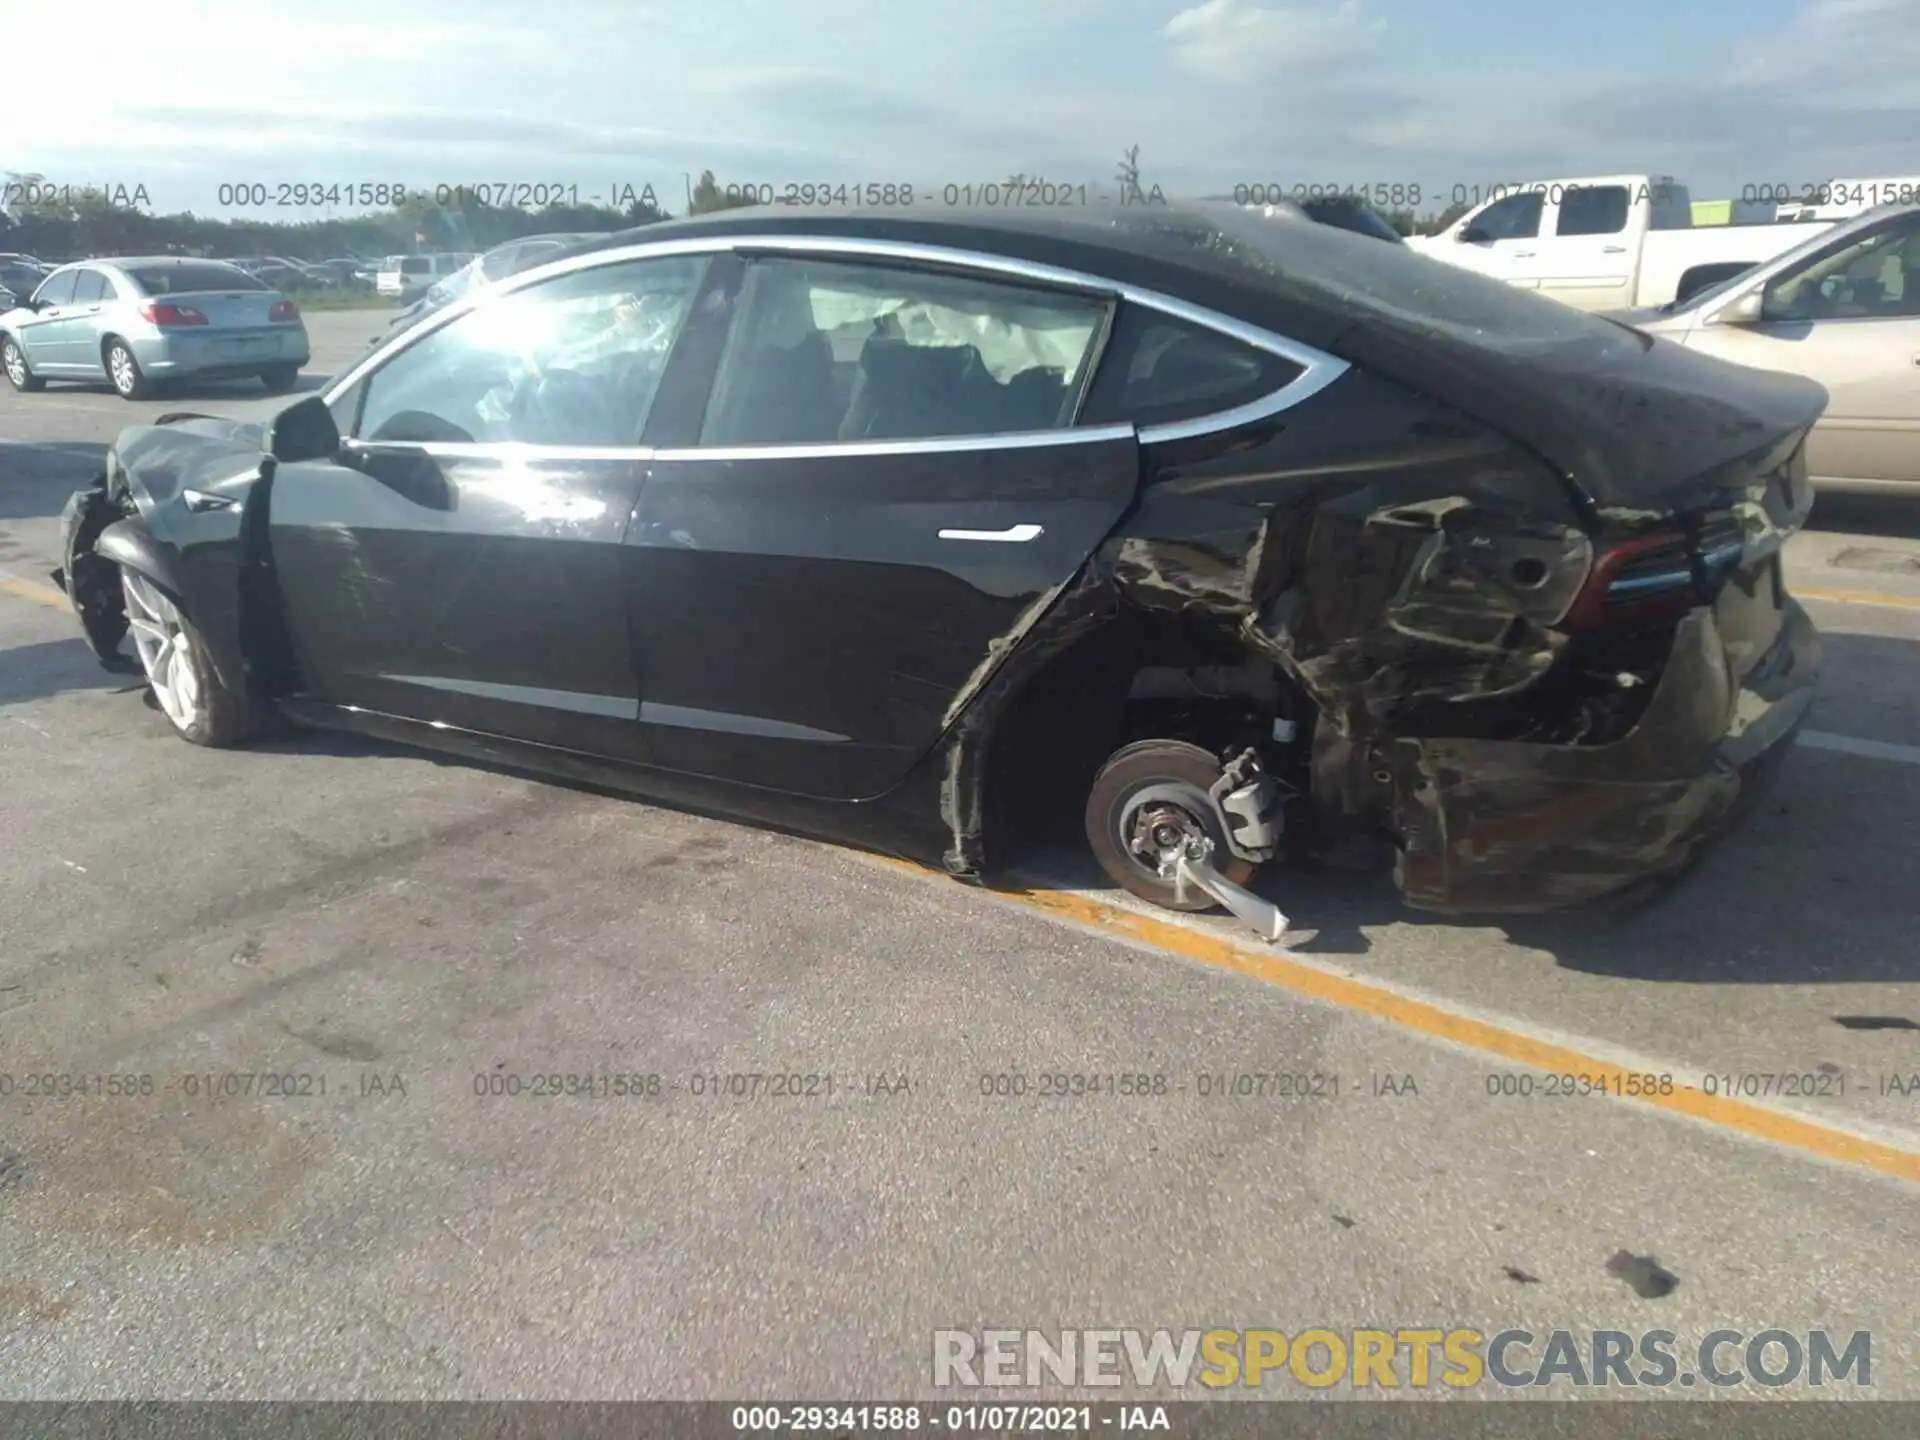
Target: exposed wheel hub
<point x="1158" y="828"/>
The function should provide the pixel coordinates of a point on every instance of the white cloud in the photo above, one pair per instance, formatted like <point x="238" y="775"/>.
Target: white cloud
<point x="1241" y="42"/>
<point x="1215" y="93"/>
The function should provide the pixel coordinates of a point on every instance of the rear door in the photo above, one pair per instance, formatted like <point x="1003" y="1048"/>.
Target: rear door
<point x="834" y="550"/>
<point x="1848" y="316"/>
<point x="77" y="341"/>
<point x="462" y="566"/>
<point x="1587" y="260"/>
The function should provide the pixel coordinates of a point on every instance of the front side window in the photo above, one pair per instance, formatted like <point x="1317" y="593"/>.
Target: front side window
<point x="1159" y="370"/>
<point x="1594" y="210"/>
<point x="824" y="352"/>
<point x="574" y="360"/>
<point x="1517" y="217"/>
<point x="1870" y="278"/>
<point x="59" y="288"/>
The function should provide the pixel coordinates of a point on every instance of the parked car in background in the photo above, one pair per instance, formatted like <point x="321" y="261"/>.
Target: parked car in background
<point x="1605" y="243"/>
<point x="1196" y="533"/>
<point x="490" y="268"/>
<point x="1842" y="309"/>
<point x="1342" y="212"/>
<point x="18" y="280"/>
<point x="406" y="277"/>
<point x="139" y="322"/>
<point x="347" y="273"/>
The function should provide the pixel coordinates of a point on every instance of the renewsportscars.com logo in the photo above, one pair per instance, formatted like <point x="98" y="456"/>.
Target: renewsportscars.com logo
<point x="1415" y="1359"/>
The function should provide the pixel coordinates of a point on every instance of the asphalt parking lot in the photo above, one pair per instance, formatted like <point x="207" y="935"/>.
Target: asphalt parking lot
<point x="409" y="936"/>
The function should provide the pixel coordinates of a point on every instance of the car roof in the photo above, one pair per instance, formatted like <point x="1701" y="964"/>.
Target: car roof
<point x="1175" y="248"/>
<point x="148" y="261"/>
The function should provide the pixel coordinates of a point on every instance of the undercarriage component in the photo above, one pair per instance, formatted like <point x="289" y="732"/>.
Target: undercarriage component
<point x="1194" y="869"/>
<point x="1249" y="802"/>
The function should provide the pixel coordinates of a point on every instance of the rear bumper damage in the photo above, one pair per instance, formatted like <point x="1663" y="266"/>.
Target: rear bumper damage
<point x="1492" y="827"/>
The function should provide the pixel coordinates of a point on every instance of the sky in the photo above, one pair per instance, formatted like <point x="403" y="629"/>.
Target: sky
<point x="1446" y="95"/>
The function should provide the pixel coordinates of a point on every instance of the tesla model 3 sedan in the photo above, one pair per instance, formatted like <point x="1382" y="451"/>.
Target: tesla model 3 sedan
<point x="138" y="322"/>
<point x="1216" y="539"/>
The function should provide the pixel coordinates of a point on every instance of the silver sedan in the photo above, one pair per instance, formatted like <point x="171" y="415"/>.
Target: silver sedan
<point x="138" y="322"/>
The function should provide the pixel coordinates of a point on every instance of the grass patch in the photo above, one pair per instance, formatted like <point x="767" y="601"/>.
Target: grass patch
<point x="311" y="300"/>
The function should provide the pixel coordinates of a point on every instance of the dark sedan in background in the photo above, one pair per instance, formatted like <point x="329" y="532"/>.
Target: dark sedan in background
<point x="1216" y="538"/>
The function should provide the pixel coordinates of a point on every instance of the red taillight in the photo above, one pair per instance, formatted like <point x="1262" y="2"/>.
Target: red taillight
<point x="159" y="313"/>
<point x="1633" y="580"/>
<point x="284" y="312"/>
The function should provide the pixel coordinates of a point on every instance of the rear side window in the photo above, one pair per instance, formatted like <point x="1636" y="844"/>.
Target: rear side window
<point x="90" y="288"/>
<point x="1159" y="371"/>
<point x="190" y="278"/>
<point x="416" y="265"/>
<point x="824" y="352"/>
<point x="1594" y="210"/>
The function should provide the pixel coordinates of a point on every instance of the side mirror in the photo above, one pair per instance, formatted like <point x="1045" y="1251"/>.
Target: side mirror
<point x="304" y="432"/>
<point x="1473" y="235"/>
<point x="1744" y="311"/>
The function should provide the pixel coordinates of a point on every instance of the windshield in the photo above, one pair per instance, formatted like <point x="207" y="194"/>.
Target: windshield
<point x="1814" y="245"/>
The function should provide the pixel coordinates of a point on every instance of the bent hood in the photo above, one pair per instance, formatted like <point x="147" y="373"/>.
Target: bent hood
<point x="156" y="462"/>
<point x="1634" y="422"/>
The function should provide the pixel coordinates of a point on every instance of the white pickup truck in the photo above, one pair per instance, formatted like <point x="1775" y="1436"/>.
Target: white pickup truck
<point x="1605" y="243"/>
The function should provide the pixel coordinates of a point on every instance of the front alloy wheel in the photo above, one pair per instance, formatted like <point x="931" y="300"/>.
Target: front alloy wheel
<point x="189" y="694"/>
<point x="14" y="360"/>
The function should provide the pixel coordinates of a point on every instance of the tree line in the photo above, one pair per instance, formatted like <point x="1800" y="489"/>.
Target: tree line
<point x="64" y="221"/>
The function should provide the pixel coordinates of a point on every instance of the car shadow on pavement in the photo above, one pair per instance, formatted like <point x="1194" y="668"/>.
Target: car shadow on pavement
<point x="56" y="667"/>
<point x="1892" y="516"/>
<point x="36" y="478"/>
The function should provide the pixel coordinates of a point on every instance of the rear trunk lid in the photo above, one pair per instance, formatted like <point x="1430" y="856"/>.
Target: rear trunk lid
<point x="229" y="309"/>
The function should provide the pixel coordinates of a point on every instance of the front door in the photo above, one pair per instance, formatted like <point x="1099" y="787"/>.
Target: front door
<point x="883" y="492"/>
<point x="1503" y="240"/>
<point x="1848" y="317"/>
<point x="461" y="562"/>
<point x="41" y="332"/>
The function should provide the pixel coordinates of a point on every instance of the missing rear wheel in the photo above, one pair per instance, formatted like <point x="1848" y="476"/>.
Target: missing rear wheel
<point x="1148" y="802"/>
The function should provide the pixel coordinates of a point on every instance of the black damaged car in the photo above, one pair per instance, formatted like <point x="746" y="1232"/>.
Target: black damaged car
<point x="1224" y="539"/>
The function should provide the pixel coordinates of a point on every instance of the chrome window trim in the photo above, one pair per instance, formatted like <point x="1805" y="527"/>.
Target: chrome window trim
<point x="930" y="445"/>
<point x="1318" y="369"/>
<point x="505" y="452"/>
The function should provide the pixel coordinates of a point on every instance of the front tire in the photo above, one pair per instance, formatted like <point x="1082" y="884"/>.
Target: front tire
<point x="1157" y="788"/>
<point x="124" y="373"/>
<point x="280" y="378"/>
<point x="14" y="361"/>
<point x="200" y="709"/>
